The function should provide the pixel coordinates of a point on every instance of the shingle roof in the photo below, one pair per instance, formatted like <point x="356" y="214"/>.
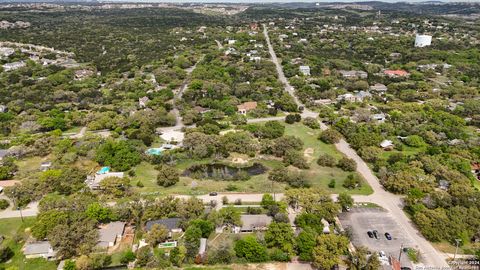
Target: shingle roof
<point x="170" y="223"/>
<point x="110" y="232"/>
<point x="3" y="153"/>
<point x="250" y="222"/>
<point x="43" y="247"/>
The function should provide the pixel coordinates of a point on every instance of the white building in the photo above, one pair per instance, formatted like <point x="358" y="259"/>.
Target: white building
<point x="13" y="66"/>
<point x="305" y="70"/>
<point x="41" y="249"/>
<point x="423" y="40"/>
<point x="110" y="233"/>
<point x="93" y="182"/>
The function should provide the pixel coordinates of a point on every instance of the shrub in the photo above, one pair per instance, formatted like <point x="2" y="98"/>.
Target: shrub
<point x="5" y="254"/>
<point x="278" y="255"/>
<point x="4" y="204"/>
<point x="167" y="176"/>
<point x="332" y="183"/>
<point x="347" y="164"/>
<point x="330" y="136"/>
<point x="231" y="187"/>
<point x="292" y="118"/>
<point x="127" y="256"/>
<point x="295" y="159"/>
<point x="351" y="182"/>
<point x="326" y="160"/>
<point x="311" y="123"/>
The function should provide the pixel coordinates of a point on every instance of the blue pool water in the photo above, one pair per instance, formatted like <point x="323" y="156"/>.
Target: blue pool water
<point x="155" y="151"/>
<point x="104" y="170"/>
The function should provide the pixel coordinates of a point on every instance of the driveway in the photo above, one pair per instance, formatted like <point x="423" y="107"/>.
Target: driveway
<point x="30" y="211"/>
<point x="362" y="220"/>
<point x="391" y="202"/>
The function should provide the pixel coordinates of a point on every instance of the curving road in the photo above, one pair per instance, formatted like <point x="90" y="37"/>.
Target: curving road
<point x="391" y="202"/>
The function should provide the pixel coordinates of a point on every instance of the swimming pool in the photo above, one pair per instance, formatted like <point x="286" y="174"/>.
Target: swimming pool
<point x="155" y="151"/>
<point x="104" y="170"/>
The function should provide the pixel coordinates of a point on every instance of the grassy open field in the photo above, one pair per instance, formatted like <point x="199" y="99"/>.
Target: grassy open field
<point x="12" y="229"/>
<point x="319" y="176"/>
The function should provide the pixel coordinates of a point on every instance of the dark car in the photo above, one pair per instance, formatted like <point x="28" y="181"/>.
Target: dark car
<point x="405" y="268"/>
<point x="375" y="233"/>
<point x="213" y="194"/>
<point x="370" y="234"/>
<point x="388" y="236"/>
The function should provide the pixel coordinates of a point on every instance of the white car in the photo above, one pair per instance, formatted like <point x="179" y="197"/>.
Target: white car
<point x="1" y="190"/>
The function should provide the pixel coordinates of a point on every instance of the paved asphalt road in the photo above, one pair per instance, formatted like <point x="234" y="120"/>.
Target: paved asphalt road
<point x="392" y="203"/>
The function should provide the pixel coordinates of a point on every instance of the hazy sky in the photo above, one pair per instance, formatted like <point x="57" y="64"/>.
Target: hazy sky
<point x="276" y="1"/>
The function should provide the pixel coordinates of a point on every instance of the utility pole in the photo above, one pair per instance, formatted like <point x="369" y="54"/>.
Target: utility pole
<point x="18" y="207"/>
<point x="457" y="241"/>
<point x="273" y="190"/>
<point x="400" y="254"/>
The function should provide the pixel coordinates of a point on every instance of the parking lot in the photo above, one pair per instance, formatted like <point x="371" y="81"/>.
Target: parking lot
<point x="362" y="220"/>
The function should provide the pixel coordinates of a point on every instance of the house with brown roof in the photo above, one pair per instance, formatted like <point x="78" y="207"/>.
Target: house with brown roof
<point x="396" y="73"/>
<point x="244" y="108"/>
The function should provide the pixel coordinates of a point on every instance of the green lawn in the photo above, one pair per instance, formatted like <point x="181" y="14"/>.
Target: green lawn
<point x="27" y="167"/>
<point x="321" y="176"/>
<point x="313" y="148"/>
<point x="12" y="227"/>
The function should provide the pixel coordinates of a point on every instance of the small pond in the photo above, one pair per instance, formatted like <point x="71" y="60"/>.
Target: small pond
<point x="220" y="171"/>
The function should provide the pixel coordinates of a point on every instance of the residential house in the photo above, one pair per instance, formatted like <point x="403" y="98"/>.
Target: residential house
<point x="252" y="223"/>
<point x="200" y="109"/>
<point x="353" y="74"/>
<point x="360" y="96"/>
<point x="302" y="40"/>
<point x="110" y="233"/>
<point x="347" y="97"/>
<point x="476" y="170"/>
<point x="231" y="41"/>
<point x="44" y="166"/>
<point x="203" y="247"/>
<point x="3" y="108"/>
<point x="244" y="108"/>
<point x="142" y="102"/>
<point x="387" y="145"/>
<point x="326" y="101"/>
<point x="5" y="51"/>
<point x="41" y="249"/>
<point x="395" y="55"/>
<point x="3" y="154"/>
<point x="305" y="70"/>
<point x="93" y="182"/>
<point x="172" y="224"/>
<point x="14" y="66"/>
<point x="443" y="184"/>
<point x="255" y="59"/>
<point x="396" y="73"/>
<point x="379" y="88"/>
<point x="82" y="74"/>
<point x="378" y="117"/>
<point x="427" y="67"/>
<point x="326" y="226"/>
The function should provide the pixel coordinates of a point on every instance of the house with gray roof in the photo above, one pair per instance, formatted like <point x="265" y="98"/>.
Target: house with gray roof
<point x="251" y="223"/>
<point x="3" y="154"/>
<point x="172" y="224"/>
<point x="41" y="249"/>
<point x="110" y="233"/>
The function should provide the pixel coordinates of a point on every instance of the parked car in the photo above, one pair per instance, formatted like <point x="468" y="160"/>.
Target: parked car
<point x="213" y="194"/>
<point x="388" y="236"/>
<point x="375" y="233"/>
<point x="370" y="234"/>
